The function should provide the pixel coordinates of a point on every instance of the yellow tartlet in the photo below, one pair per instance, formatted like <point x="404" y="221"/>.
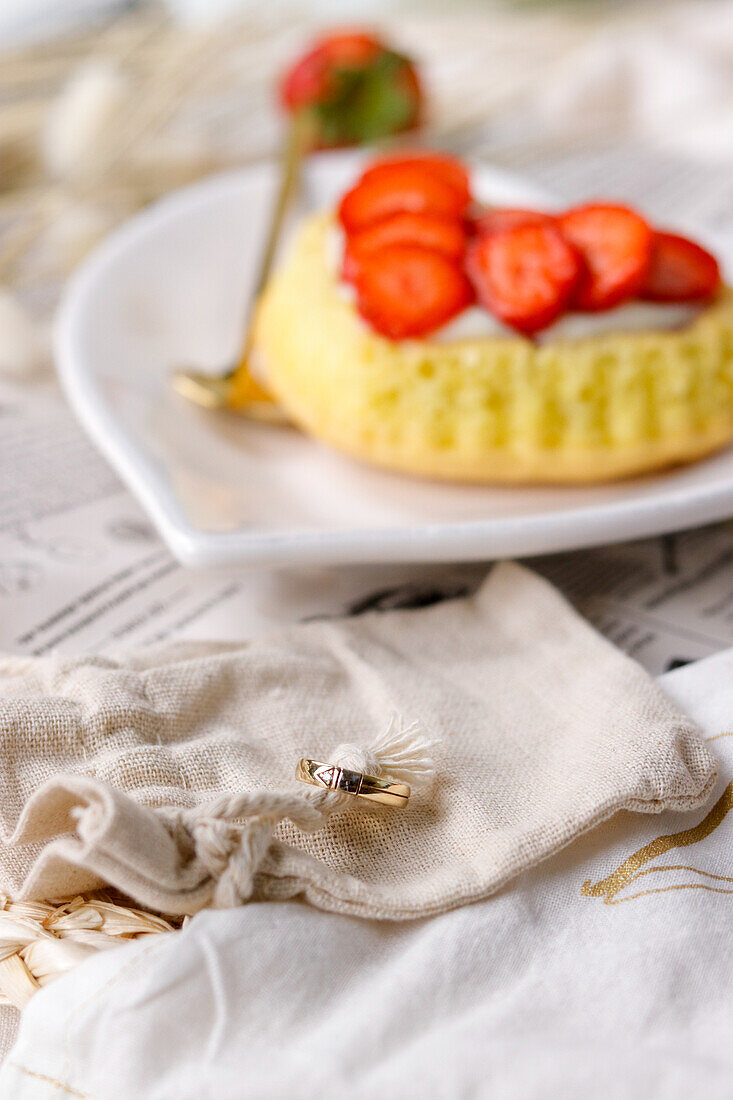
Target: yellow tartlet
<point x="494" y="409"/>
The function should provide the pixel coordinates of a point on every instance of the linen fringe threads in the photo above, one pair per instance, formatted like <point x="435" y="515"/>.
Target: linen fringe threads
<point x="231" y="836"/>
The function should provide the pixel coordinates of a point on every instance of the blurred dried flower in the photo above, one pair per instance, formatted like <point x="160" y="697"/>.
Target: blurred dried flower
<point x="80" y="119"/>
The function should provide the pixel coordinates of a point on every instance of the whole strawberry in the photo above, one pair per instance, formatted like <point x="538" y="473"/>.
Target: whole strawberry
<point x="349" y="89"/>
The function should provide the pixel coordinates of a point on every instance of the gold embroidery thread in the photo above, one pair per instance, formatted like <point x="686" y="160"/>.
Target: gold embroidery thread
<point x="634" y="868"/>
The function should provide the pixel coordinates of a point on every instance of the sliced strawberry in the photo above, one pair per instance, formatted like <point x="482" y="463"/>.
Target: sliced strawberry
<point x="616" y="244"/>
<point x="444" y="167"/>
<point x="680" y="271"/>
<point x="399" y="187"/>
<point x="442" y="235"/>
<point x="497" y="218"/>
<point x="310" y="79"/>
<point x="404" y="290"/>
<point x="525" y="276"/>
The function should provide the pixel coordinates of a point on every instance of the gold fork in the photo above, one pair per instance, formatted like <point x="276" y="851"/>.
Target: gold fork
<point x="237" y="387"/>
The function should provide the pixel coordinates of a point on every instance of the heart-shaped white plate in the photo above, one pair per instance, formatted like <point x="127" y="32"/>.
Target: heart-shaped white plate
<point x="169" y="288"/>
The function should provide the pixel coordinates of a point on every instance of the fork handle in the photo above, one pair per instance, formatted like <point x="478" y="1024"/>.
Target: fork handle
<point x="291" y="160"/>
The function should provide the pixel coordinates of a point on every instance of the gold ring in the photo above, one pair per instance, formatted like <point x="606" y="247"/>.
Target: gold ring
<point x="334" y="778"/>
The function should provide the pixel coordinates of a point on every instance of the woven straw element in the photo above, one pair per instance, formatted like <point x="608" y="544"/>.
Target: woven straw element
<point x="39" y="942"/>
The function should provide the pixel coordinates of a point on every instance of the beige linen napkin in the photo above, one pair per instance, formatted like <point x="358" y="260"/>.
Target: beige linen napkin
<point x="545" y="730"/>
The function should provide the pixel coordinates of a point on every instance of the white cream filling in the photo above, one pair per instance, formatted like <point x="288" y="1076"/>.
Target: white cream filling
<point x="476" y="323"/>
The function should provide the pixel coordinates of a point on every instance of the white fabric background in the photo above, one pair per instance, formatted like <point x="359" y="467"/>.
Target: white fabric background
<point x="537" y="992"/>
